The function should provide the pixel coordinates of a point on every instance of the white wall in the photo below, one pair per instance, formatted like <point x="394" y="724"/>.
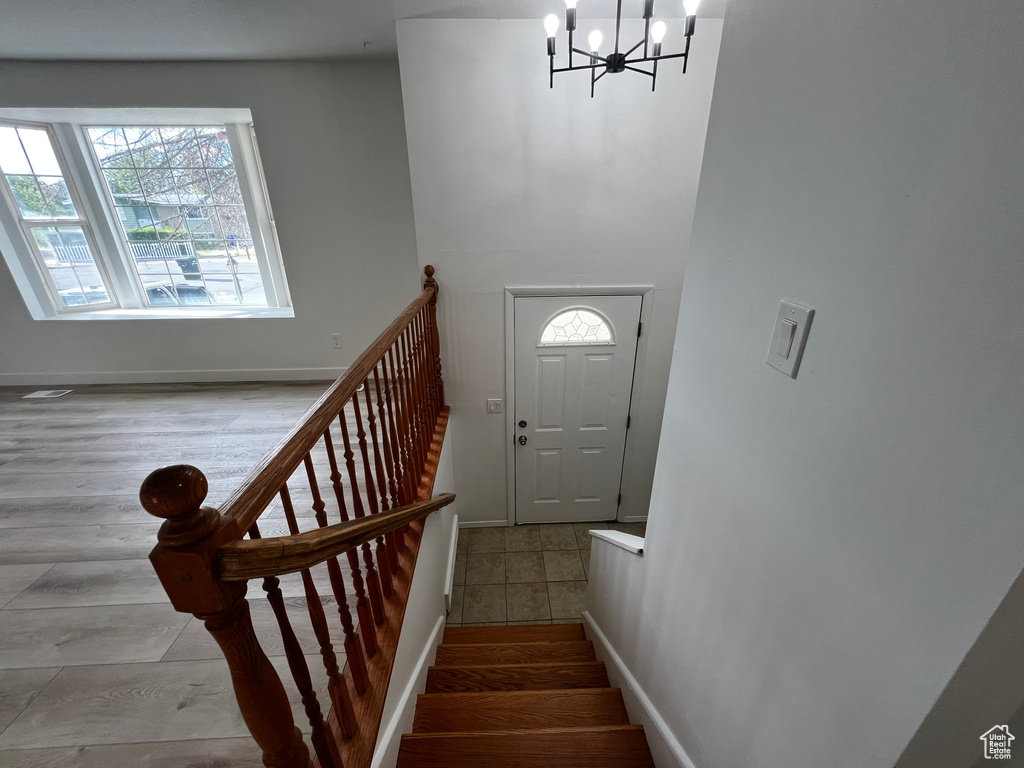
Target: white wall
<point x="823" y="552"/>
<point x="332" y="139"/>
<point x="515" y="184"/>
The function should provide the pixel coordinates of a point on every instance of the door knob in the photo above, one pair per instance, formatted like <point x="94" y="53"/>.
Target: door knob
<point x="522" y="423"/>
<point x="522" y="439"/>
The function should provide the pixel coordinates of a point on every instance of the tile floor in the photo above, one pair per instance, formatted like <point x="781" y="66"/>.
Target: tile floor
<point x="530" y="574"/>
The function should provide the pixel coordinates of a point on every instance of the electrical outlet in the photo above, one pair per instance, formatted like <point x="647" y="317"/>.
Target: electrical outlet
<point x="336" y="340"/>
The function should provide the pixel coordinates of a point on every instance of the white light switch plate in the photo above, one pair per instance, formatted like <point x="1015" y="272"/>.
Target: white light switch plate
<point x="494" y="406"/>
<point x="789" y="337"/>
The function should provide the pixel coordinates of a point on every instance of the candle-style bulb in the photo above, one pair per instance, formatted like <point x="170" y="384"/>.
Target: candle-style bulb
<point x="551" y="24"/>
<point x="570" y="3"/>
<point x="595" y="39"/>
<point x="691" y="7"/>
<point x="658" y="30"/>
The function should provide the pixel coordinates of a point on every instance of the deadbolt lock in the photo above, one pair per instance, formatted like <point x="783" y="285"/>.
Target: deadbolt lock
<point x="522" y="423"/>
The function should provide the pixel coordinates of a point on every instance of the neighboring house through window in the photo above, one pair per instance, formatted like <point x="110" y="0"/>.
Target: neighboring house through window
<point x="133" y="213"/>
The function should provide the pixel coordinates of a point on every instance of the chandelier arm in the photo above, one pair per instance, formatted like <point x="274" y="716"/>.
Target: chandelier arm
<point x="657" y="58"/>
<point x="578" y="67"/>
<point x="642" y="42"/>
<point x="591" y="55"/>
<point x="641" y="71"/>
<point x="647" y="34"/>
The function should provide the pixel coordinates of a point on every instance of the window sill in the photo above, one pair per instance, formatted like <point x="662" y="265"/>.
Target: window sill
<point x="156" y="313"/>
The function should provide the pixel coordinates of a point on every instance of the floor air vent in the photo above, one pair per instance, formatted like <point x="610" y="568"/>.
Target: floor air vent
<point x="47" y="393"/>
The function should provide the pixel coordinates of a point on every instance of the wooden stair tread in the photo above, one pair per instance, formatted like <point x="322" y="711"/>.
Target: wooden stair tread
<point x="528" y="696"/>
<point x="518" y="710"/>
<point x="517" y="677"/>
<point x="458" y="654"/>
<point x="525" y="633"/>
<point x="618" y="746"/>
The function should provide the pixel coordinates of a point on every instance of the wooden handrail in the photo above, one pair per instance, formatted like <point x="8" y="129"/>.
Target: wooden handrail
<point x="381" y="429"/>
<point x="259" y="558"/>
<point x="262" y="484"/>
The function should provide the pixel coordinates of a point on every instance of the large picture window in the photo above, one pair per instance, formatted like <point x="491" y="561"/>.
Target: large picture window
<point x="137" y="217"/>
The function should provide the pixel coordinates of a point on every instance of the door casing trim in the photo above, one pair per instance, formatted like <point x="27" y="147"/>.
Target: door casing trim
<point x="646" y="294"/>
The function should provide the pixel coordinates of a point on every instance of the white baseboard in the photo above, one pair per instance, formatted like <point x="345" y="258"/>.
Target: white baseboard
<point x="167" y="377"/>
<point x="665" y="748"/>
<point x="634" y="519"/>
<point x="389" y="739"/>
<point x="483" y="523"/>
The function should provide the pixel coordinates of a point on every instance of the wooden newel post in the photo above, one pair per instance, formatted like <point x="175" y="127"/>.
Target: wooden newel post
<point x="435" y="339"/>
<point x="184" y="560"/>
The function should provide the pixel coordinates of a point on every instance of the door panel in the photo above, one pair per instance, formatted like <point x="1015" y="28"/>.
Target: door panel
<point x="573" y="393"/>
<point x="597" y="371"/>
<point x="550" y="391"/>
<point x="592" y="462"/>
<point x="549" y="475"/>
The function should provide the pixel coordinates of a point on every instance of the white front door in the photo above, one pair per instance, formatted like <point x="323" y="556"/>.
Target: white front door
<point x="574" y="358"/>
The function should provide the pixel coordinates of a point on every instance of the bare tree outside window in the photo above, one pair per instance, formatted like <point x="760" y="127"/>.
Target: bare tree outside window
<point x="176" y="194"/>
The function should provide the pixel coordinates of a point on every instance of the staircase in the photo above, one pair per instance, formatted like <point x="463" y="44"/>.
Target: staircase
<point x="521" y="697"/>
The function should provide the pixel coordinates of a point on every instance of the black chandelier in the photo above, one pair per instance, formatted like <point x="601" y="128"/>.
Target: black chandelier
<point x="618" y="61"/>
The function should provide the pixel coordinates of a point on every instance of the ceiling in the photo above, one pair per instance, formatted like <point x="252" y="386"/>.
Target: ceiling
<point x="254" y="29"/>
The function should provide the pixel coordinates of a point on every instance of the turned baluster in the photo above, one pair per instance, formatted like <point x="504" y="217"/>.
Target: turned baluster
<point x="324" y="746"/>
<point x="412" y="475"/>
<point x="384" y="467"/>
<point x="435" y="338"/>
<point x="417" y="396"/>
<point x="185" y="562"/>
<point x="336" y="687"/>
<point x="427" y="424"/>
<point x="414" y="383"/>
<point x="398" y="438"/>
<point x="393" y="401"/>
<point x="407" y="426"/>
<point x="366" y="625"/>
<point x="385" y="549"/>
<point x="409" y="393"/>
<point x="372" y="578"/>
<point x="386" y="421"/>
<point x="428" y="375"/>
<point x="432" y="384"/>
<point x="323" y="743"/>
<point x="383" y="565"/>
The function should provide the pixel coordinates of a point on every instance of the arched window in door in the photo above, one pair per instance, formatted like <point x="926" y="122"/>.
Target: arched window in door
<point x="577" y="326"/>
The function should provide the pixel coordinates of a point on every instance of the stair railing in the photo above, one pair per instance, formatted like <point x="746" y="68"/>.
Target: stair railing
<point x="389" y="413"/>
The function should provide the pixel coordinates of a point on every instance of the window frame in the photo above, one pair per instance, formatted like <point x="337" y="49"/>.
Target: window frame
<point x="25" y="226"/>
<point x="68" y="130"/>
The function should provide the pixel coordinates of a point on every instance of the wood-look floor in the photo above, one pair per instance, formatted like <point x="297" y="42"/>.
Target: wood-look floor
<point x="96" y="668"/>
